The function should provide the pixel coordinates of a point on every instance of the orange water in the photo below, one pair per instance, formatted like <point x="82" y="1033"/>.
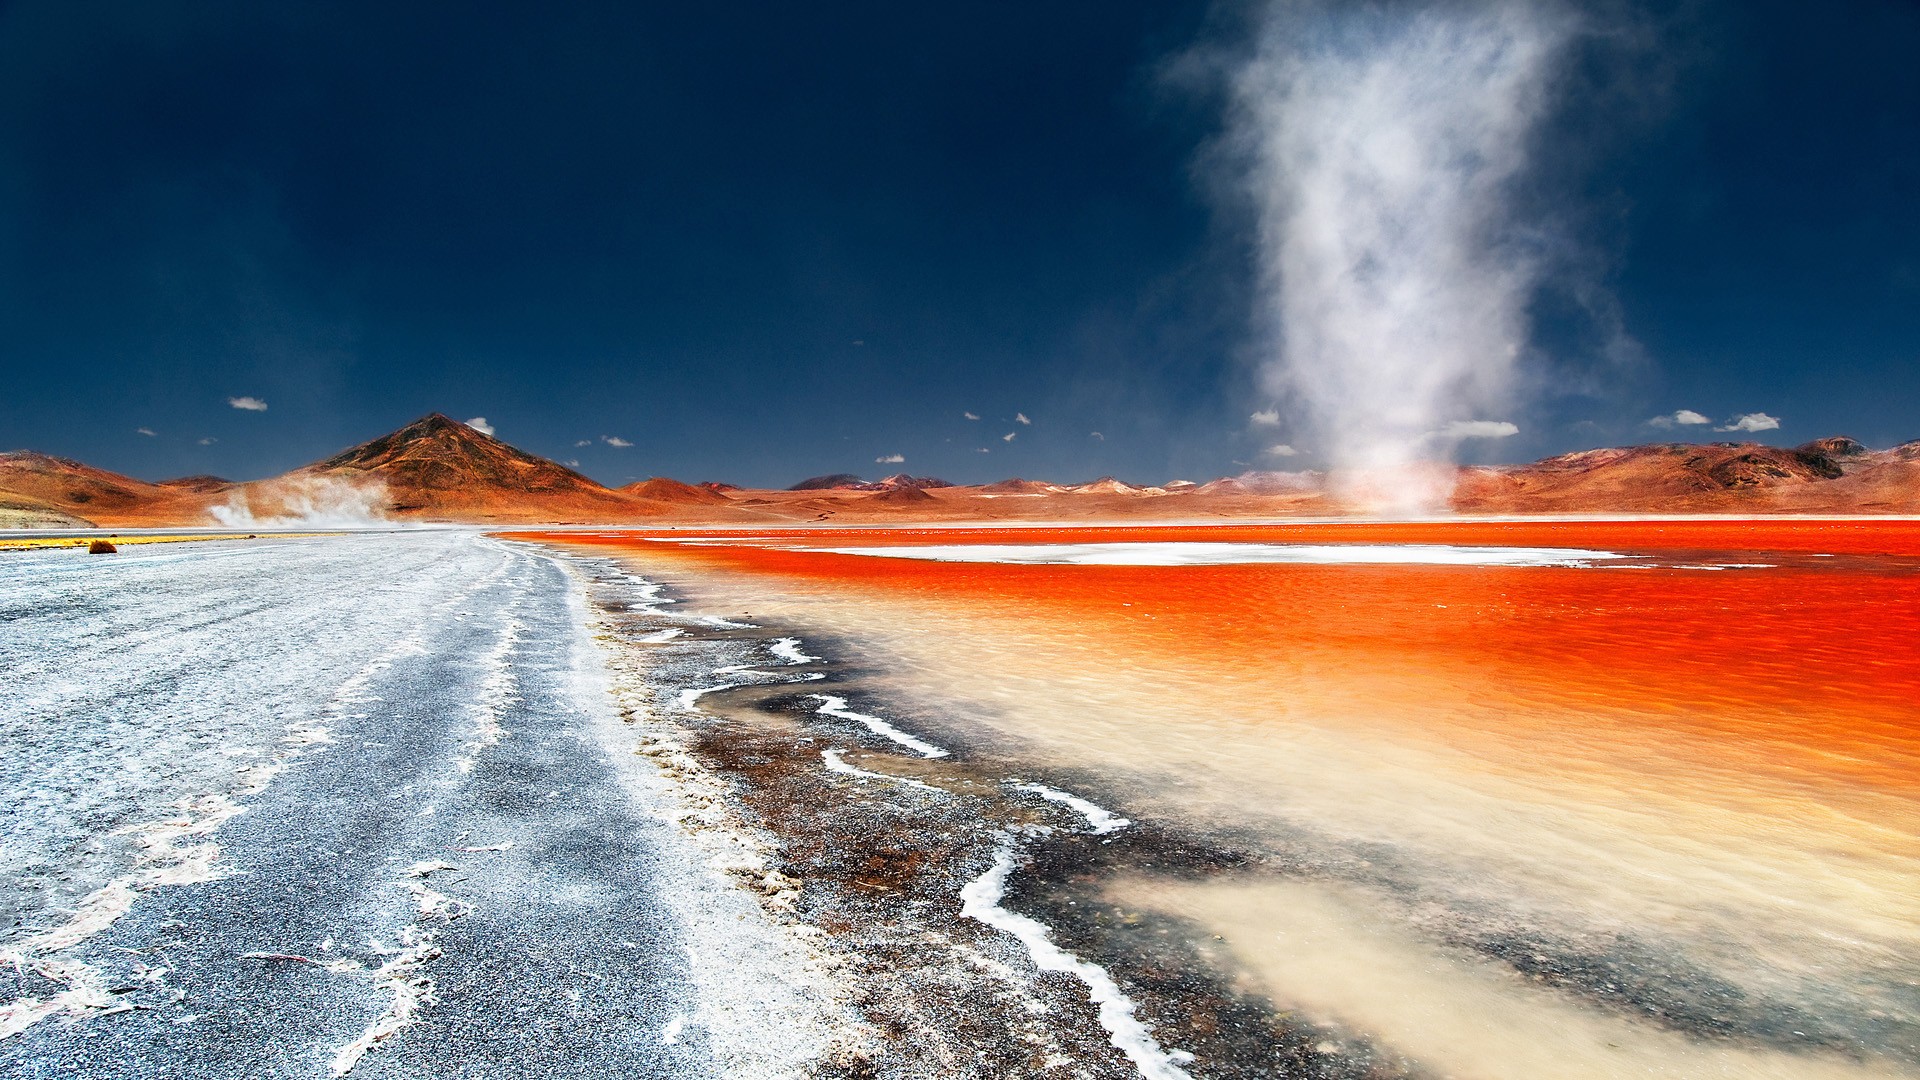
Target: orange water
<point x="1721" y="764"/>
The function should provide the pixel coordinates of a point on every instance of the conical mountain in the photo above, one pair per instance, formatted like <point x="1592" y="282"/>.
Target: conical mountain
<point x="438" y="466"/>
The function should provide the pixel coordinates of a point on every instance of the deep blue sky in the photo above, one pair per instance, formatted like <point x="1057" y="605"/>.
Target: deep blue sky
<point x="765" y="241"/>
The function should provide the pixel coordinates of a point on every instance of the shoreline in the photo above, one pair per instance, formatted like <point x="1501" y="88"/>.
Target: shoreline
<point x="945" y="883"/>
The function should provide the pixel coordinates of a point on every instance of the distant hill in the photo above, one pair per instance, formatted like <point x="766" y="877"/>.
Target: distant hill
<point x="830" y="482"/>
<point x="1834" y="475"/>
<point x="439" y="467"/>
<point x="66" y="488"/>
<point x="661" y="489"/>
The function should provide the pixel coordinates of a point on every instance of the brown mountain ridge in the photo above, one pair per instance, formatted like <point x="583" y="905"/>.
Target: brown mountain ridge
<point x="439" y="469"/>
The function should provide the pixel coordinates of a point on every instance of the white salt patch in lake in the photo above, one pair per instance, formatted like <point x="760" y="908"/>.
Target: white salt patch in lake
<point x="788" y="649"/>
<point x="837" y="707"/>
<point x="1195" y="553"/>
<point x="1099" y="818"/>
<point x="980" y="901"/>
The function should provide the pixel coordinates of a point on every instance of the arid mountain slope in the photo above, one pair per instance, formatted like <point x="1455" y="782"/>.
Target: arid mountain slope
<point x="438" y="467"/>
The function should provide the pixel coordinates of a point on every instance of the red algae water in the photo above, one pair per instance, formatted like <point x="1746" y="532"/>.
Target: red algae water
<point x="1651" y="809"/>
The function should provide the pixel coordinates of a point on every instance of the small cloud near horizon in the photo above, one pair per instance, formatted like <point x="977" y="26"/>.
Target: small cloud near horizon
<point x="208" y="441"/>
<point x="1682" y="416"/>
<point x="969" y="416"/>
<point x="584" y="442"/>
<point x="615" y="441"/>
<point x="889" y="459"/>
<point x="1481" y="429"/>
<point x="147" y="431"/>
<point x="1266" y="418"/>
<point x="1753" y="421"/>
<point x="571" y="463"/>
<point x="1008" y="437"/>
<point x="479" y="424"/>
<point x="1281" y="450"/>
<point x="1021" y="418"/>
<point x="250" y="404"/>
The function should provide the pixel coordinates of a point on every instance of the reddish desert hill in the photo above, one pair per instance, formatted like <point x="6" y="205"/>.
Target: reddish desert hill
<point x="661" y="489"/>
<point x="1835" y="475"/>
<point x="438" y="468"/>
<point x="79" y="491"/>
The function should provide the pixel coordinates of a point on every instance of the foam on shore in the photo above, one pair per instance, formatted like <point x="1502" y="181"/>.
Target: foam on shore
<point x="837" y="706"/>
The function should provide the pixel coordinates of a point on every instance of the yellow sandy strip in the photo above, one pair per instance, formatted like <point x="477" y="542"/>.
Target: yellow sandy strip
<point x="33" y="542"/>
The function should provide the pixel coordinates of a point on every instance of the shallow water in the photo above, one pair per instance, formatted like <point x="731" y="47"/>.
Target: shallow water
<point x="1651" y="815"/>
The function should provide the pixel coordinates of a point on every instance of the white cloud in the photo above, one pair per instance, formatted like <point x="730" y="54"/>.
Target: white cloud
<point x="981" y="450"/>
<point x="1683" y="416"/>
<point x="479" y="424"/>
<point x="1481" y="429"/>
<point x="1099" y="436"/>
<point x="147" y="431"/>
<point x="1753" y="421"/>
<point x="615" y="440"/>
<point x="208" y="441"/>
<point x="969" y="416"/>
<point x="1021" y="418"/>
<point x="572" y="463"/>
<point x="1008" y="437"/>
<point x="889" y="459"/>
<point x="1281" y="450"/>
<point x="584" y="442"/>
<point x="1266" y="418"/>
<point x="250" y="404"/>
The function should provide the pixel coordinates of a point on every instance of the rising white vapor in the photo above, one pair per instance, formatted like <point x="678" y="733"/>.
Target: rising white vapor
<point x="1383" y="143"/>
<point x="1479" y="429"/>
<point x="1266" y="418"/>
<point x="479" y="424"/>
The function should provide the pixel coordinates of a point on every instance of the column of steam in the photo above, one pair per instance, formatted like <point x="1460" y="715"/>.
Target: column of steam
<point x="1382" y="142"/>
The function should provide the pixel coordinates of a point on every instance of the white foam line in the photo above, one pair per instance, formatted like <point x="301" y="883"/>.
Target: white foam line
<point x="688" y="698"/>
<point x="1195" y="553"/>
<point x="661" y="637"/>
<point x="835" y="763"/>
<point x="980" y="901"/>
<point x="788" y="649"/>
<point x="726" y="624"/>
<point x="837" y="706"/>
<point x="1099" y="818"/>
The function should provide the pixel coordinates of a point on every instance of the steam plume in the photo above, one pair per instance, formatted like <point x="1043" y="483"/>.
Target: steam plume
<point x="305" y="501"/>
<point x="1383" y="143"/>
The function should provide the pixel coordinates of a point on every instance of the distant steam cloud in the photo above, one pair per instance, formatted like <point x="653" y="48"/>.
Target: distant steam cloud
<point x="969" y="416"/>
<point x="250" y="404"/>
<point x="479" y="424"/>
<point x="305" y="501"/>
<point x="615" y="441"/>
<point x="1753" y="421"/>
<point x="1383" y="144"/>
<point x="1021" y="418"/>
<point x="1479" y="429"/>
<point x="1683" y="416"/>
<point x="1281" y="450"/>
<point x="889" y="459"/>
<point x="148" y="432"/>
